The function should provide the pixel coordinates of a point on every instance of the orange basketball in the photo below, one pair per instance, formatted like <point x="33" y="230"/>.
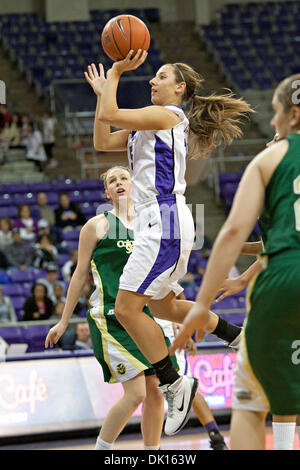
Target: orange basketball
<point x="123" y="33"/>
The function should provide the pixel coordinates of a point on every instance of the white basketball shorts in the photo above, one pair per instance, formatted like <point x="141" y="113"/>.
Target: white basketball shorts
<point x="163" y="240"/>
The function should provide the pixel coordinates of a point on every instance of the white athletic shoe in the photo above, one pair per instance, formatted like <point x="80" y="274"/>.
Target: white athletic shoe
<point x="236" y="342"/>
<point x="179" y="396"/>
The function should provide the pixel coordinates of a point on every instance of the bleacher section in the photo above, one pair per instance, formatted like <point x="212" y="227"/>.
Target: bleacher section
<point x="62" y="50"/>
<point x="256" y="45"/>
<point x="16" y="284"/>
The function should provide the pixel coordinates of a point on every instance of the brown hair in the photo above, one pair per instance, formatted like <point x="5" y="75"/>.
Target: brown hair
<point x="286" y="92"/>
<point x="8" y="221"/>
<point x="213" y="119"/>
<point x="103" y="176"/>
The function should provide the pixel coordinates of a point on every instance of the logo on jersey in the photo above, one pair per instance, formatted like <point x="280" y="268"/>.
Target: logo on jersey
<point x="128" y="244"/>
<point x="121" y="369"/>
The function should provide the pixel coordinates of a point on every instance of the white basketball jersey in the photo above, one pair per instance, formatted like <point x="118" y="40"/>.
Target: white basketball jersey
<point x="157" y="160"/>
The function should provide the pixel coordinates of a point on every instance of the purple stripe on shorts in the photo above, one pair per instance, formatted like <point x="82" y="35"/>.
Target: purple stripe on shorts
<point x="169" y="250"/>
<point x="164" y="167"/>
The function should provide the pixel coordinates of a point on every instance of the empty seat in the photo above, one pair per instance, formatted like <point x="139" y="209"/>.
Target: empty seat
<point x="18" y="276"/>
<point x="12" y="290"/>
<point x="12" y="334"/>
<point x="35" y="336"/>
<point x="71" y="235"/>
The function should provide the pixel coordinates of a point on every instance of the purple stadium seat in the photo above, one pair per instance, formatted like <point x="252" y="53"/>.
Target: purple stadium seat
<point x="92" y="196"/>
<point x="35" y="336"/>
<point x="52" y="198"/>
<point x="12" y="290"/>
<point x="27" y="198"/>
<point x="64" y="186"/>
<point x="11" y="212"/>
<point x="41" y="186"/>
<point x="76" y="197"/>
<point x="71" y="245"/>
<point x="12" y="334"/>
<point x="89" y="185"/>
<point x="62" y="259"/>
<point x="40" y="273"/>
<point x="71" y="235"/>
<point x="6" y="200"/>
<point x="18" y="276"/>
<point x="26" y="286"/>
<point x="18" y="302"/>
<point x="229" y="303"/>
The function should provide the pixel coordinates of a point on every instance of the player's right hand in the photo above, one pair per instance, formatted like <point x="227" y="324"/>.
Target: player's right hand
<point x="54" y="334"/>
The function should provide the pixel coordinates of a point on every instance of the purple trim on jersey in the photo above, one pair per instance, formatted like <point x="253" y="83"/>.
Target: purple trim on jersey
<point x="164" y="167"/>
<point x="186" y="365"/>
<point x="169" y="250"/>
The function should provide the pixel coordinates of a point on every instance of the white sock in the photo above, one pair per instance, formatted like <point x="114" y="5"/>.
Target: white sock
<point x="284" y="435"/>
<point x="102" y="445"/>
<point x="152" y="447"/>
<point x="298" y="430"/>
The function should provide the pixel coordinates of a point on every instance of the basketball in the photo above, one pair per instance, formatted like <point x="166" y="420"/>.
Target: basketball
<point x="123" y="33"/>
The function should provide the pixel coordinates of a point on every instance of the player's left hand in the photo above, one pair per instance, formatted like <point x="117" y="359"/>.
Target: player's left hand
<point x="195" y="320"/>
<point x="191" y="347"/>
<point x="131" y="62"/>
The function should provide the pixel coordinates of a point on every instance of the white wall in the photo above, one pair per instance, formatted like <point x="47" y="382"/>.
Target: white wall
<point x="206" y="9"/>
<point x="168" y="8"/>
<point x="67" y="10"/>
<point x="16" y="6"/>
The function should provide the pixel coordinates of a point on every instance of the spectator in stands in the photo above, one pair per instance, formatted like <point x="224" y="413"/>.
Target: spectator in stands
<point x="13" y="131"/>
<point x="45" y="211"/>
<point x="70" y="266"/>
<point x="83" y="338"/>
<point x="48" y="124"/>
<point x="38" y="306"/>
<point x="58" y="310"/>
<point x="4" y="145"/>
<point x="2" y="121"/>
<point x="24" y="130"/>
<point x="18" y="254"/>
<point x="59" y="292"/>
<point x="7" y="311"/>
<point x="35" y="147"/>
<point x="3" y="261"/>
<point x="68" y="214"/>
<point x="5" y="114"/>
<point x="50" y="280"/>
<point x="44" y="252"/>
<point x="27" y="225"/>
<point x="5" y="232"/>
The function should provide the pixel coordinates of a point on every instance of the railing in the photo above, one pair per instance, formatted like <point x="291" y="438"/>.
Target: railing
<point x="81" y="155"/>
<point x="73" y="112"/>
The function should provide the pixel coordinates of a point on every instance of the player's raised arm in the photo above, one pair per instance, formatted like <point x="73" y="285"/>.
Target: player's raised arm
<point x="104" y="139"/>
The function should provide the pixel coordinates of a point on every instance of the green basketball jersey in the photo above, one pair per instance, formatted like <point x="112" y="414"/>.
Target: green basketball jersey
<point x="108" y="260"/>
<point x="281" y="215"/>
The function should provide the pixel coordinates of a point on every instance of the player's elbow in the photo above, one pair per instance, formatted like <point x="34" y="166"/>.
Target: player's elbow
<point x="231" y="231"/>
<point x="108" y="117"/>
